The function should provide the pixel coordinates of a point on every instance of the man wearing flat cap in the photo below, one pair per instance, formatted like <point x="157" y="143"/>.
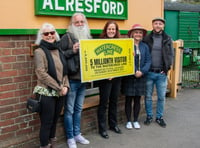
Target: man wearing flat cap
<point x="162" y="52"/>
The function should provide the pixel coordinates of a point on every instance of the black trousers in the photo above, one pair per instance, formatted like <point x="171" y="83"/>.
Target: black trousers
<point x="109" y="91"/>
<point x="50" y="112"/>
<point x="135" y="108"/>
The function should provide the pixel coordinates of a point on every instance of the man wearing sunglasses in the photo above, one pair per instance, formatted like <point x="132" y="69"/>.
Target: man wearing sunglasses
<point x="78" y="29"/>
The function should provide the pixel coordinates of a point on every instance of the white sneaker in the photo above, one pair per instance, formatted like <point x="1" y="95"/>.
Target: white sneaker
<point x="79" y="138"/>
<point x="129" y="125"/>
<point x="71" y="143"/>
<point x="136" y="125"/>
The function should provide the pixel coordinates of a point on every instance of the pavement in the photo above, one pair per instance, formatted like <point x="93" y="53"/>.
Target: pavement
<point x="182" y="116"/>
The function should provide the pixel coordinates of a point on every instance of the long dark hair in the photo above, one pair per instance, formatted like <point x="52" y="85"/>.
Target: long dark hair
<point x="104" y="32"/>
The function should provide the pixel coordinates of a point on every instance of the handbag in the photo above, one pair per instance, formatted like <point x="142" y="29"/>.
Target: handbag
<point x="33" y="105"/>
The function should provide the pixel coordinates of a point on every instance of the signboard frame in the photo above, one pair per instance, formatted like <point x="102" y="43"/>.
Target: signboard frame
<point x="105" y="9"/>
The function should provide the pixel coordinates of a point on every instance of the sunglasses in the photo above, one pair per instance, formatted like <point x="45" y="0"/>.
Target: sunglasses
<point x="47" y="33"/>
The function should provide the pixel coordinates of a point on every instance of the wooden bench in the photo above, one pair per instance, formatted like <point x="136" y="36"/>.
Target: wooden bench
<point x="91" y="101"/>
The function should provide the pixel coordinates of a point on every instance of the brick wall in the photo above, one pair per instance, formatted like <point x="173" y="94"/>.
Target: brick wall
<point x="16" y="85"/>
<point x="18" y="127"/>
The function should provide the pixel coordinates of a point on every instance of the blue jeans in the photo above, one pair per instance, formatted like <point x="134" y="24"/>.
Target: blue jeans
<point x="160" y="81"/>
<point x="73" y="108"/>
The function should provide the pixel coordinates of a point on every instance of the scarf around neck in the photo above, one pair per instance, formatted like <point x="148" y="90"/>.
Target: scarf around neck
<point x="46" y="47"/>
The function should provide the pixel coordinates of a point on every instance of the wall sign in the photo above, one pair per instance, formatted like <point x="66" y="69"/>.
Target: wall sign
<point x="110" y="9"/>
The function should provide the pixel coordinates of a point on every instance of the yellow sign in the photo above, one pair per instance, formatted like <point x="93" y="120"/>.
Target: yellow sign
<point x="106" y="58"/>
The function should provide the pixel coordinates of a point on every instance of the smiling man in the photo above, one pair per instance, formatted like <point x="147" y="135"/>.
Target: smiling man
<point x="161" y="49"/>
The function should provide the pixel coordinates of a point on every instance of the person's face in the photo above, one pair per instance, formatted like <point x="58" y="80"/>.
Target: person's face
<point x="111" y="30"/>
<point x="49" y="35"/>
<point x="78" y="21"/>
<point x="137" y="35"/>
<point x="158" y="26"/>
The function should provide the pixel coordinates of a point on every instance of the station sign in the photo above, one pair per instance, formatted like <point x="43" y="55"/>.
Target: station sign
<point x="105" y="9"/>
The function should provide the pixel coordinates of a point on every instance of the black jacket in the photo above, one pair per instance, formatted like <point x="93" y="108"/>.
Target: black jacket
<point x="167" y="49"/>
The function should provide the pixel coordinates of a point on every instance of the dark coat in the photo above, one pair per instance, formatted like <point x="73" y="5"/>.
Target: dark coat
<point x="167" y="49"/>
<point x="132" y="86"/>
<point x="66" y="45"/>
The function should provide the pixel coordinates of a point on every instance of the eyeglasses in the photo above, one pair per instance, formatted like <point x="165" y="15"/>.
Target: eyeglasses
<point x="47" y="33"/>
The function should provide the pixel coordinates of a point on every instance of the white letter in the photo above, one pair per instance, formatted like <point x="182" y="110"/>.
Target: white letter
<point x="69" y="4"/>
<point x="96" y="5"/>
<point x="105" y="7"/>
<point x="77" y="6"/>
<point x="88" y="5"/>
<point x="47" y="3"/>
<point x="58" y="7"/>
<point x="120" y="8"/>
<point x="112" y="8"/>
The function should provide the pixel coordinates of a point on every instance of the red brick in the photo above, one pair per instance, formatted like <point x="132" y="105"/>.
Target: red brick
<point x="23" y="111"/>
<point x="6" y="122"/>
<point x="5" y="38"/>
<point x="34" y="122"/>
<point x="9" y="115"/>
<point x="22" y="72"/>
<point x="23" y="125"/>
<point x="22" y="79"/>
<point x="9" y="101"/>
<point x="21" y="65"/>
<point x="21" y="119"/>
<point x="8" y="87"/>
<point x="19" y="93"/>
<point x="7" y="67"/>
<point x="8" y="59"/>
<point x="5" y="109"/>
<point x="20" y="51"/>
<point x="24" y="98"/>
<point x="20" y="37"/>
<point x="6" y="136"/>
<point x="6" y="81"/>
<point x="21" y="58"/>
<point x="10" y="73"/>
<point x="23" y="85"/>
<point x="7" y="44"/>
<point x="20" y="44"/>
<point x="32" y="37"/>
<point x="28" y="43"/>
<point x="7" y="129"/>
<point x="24" y="131"/>
<point x="5" y="95"/>
<point x="5" y="52"/>
<point x="20" y="106"/>
<point x="1" y="67"/>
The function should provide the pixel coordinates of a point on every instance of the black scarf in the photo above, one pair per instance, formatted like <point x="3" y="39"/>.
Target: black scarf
<point x="46" y="47"/>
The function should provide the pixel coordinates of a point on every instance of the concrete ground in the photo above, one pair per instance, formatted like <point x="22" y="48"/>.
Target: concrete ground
<point x="182" y="116"/>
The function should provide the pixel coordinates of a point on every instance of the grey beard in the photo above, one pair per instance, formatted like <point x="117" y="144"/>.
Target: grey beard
<point x="80" y="32"/>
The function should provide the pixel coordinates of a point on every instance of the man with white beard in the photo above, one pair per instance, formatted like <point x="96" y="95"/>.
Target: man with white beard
<point x="78" y="29"/>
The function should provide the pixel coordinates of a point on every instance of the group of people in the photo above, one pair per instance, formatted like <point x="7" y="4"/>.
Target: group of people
<point x="153" y="58"/>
